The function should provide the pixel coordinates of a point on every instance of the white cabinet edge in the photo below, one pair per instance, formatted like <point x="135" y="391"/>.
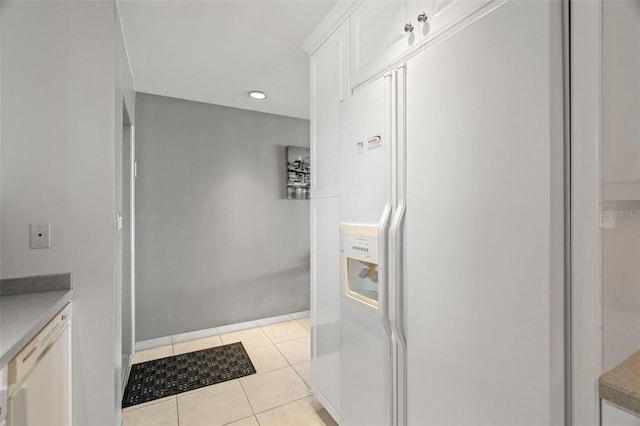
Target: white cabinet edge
<point x="341" y="11"/>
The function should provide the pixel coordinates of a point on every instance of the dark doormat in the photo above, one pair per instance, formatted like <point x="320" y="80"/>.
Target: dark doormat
<point x="181" y="373"/>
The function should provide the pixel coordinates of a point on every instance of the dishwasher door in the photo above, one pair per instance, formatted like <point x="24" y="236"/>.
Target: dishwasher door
<point x="39" y="377"/>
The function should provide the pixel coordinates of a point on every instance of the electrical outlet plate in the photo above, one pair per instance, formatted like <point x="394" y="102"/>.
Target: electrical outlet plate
<point x="40" y="236"/>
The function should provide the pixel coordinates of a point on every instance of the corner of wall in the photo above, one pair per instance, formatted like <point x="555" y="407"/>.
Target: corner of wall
<point x="1" y="8"/>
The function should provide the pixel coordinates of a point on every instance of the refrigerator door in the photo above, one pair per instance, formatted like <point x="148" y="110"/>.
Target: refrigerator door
<point x="484" y="222"/>
<point x="365" y="360"/>
<point x="364" y="172"/>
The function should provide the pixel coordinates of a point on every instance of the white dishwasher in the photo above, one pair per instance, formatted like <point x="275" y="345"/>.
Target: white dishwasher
<point x="39" y="377"/>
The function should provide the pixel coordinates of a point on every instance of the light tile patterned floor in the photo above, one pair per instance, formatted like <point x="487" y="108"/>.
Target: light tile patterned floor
<point x="277" y="395"/>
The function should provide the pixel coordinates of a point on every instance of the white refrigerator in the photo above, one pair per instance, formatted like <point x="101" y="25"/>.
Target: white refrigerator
<point x="452" y="229"/>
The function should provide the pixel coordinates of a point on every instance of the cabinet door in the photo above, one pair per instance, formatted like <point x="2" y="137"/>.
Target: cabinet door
<point x="378" y="36"/>
<point x="613" y="416"/>
<point x="325" y="298"/>
<point x="329" y="85"/>
<point x="444" y="14"/>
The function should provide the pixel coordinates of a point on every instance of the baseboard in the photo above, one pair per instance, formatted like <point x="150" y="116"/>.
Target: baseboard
<point x="214" y="331"/>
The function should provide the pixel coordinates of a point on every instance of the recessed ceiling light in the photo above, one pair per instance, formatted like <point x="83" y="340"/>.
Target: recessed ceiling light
<point x="256" y="94"/>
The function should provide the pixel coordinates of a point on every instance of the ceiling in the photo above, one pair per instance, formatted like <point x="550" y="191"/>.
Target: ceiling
<point x="216" y="51"/>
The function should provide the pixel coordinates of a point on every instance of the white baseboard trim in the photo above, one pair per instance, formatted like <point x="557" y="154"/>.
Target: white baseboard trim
<point x="214" y="331"/>
<point x="192" y="335"/>
<point x="153" y="343"/>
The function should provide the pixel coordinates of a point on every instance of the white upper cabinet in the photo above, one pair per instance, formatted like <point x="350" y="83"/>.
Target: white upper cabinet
<point x="329" y="85"/>
<point x="435" y="16"/>
<point x="383" y="32"/>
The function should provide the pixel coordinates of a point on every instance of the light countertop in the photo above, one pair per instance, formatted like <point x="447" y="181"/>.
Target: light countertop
<point x="22" y="316"/>
<point x="621" y="384"/>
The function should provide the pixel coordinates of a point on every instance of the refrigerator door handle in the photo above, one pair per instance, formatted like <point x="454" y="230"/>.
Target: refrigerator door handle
<point x="383" y="298"/>
<point x="383" y="234"/>
<point x="383" y="270"/>
<point x="396" y="251"/>
<point x="383" y="224"/>
<point x="396" y="315"/>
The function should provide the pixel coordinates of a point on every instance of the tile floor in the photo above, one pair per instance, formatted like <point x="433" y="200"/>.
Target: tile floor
<point x="277" y="395"/>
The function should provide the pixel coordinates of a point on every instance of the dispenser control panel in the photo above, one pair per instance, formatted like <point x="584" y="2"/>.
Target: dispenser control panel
<point x="359" y="247"/>
<point x="359" y="262"/>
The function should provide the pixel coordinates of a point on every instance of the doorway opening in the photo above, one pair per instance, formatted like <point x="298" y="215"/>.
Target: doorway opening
<point x="125" y="206"/>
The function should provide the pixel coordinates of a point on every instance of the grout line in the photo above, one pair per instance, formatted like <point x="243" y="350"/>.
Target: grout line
<point x="283" y="356"/>
<point x="146" y="404"/>
<point x="282" y="405"/>
<point x="301" y="378"/>
<point x="282" y="368"/>
<point x="204" y="388"/>
<point x="268" y="337"/>
<point x="289" y="340"/>
<point x="298" y="321"/>
<point x="244" y="418"/>
<point x="267" y="372"/>
<point x="177" y="411"/>
<point x="247" y="396"/>
<point x="240" y="340"/>
<point x="253" y="348"/>
<point x="292" y="340"/>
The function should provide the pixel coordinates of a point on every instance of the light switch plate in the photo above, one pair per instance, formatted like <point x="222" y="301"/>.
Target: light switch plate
<point x="40" y="236"/>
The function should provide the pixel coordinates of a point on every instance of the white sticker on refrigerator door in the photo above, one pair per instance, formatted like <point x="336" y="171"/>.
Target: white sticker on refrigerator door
<point x="374" y="142"/>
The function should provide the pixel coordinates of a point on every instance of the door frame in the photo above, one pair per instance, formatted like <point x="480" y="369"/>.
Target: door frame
<point x="586" y="201"/>
<point x="128" y="143"/>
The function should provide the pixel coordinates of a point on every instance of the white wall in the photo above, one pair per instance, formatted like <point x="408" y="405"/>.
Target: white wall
<point x="621" y="99"/>
<point x="1" y="8"/>
<point x="621" y="179"/>
<point x="620" y="190"/>
<point x="586" y="289"/>
<point x="58" y="132"/>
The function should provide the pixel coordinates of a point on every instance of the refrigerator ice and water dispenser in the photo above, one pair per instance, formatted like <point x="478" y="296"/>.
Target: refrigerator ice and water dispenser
<point x="359" y="257"/>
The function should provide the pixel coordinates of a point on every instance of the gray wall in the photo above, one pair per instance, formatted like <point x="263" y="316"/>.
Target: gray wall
<point x="217" y="242"/>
